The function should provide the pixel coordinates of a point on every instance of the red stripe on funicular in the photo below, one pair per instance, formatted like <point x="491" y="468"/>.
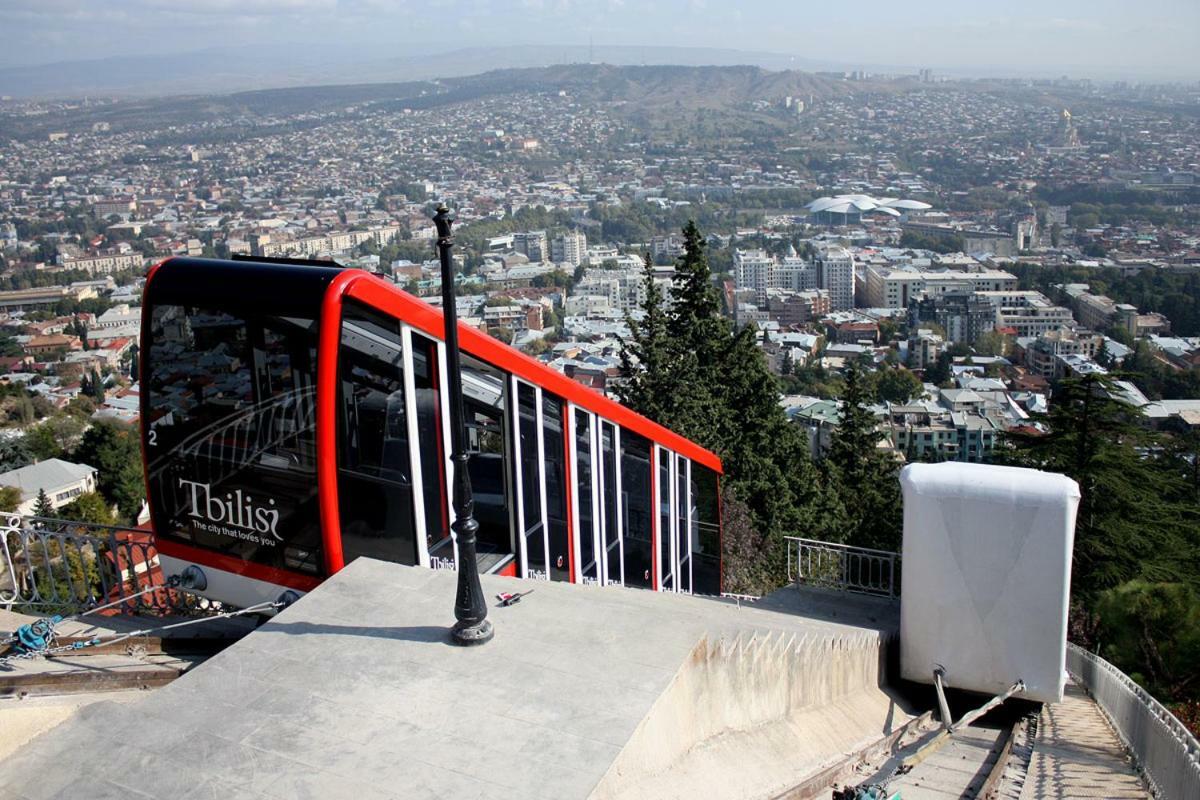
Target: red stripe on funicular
<point x="238" y="566"/>
<point x="329" y="338"/>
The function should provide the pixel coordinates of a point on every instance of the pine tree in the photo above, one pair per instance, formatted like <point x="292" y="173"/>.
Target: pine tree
<point x="43" y="507"/>
<point x="864" y="477"/>
<point x="651" y="385"/>
<point x="1134" y="519"/>
<point x="688" y="369"/>
<point x="700" y="337"/>
<point x="97" y="385"/>
<point x="788" y="366"/>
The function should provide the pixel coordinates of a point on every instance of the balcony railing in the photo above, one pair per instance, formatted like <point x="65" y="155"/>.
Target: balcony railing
<point x="53" y="566"/>
<point x="839" y="566"/>
<point x="1166" y="752"/>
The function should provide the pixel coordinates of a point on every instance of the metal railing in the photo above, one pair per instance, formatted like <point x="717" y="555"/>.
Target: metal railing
<point x="53" y="566"/>
<point x="1166" y="752"/>
<point x="842" y="567"/>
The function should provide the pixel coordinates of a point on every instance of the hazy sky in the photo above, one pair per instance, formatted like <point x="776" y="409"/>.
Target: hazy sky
<point x="1107" y="38"/>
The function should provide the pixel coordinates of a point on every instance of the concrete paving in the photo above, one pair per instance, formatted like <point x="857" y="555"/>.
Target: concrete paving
<point x="354" y="692"/>
<point x="22" y="719"/>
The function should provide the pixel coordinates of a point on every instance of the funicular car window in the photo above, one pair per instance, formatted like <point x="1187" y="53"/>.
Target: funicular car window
<point x="666" y="566"/>
<point x="637" y="506"/>
<point x="375" y="500"/>
<point x="583" y="482"/>
<point x="556" y="487"/>
<point x="429" y="439"/>
<point x="531" y="482"/>
<point x="230" y="435"/>
<point x="706" y="531"/>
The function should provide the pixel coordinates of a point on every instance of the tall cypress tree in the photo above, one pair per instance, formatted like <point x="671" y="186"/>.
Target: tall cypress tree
<point x="651" y="385"/>
<point x="715" y="388"/>
<point x="700" y="337"/>
<point x="864" y="476"/>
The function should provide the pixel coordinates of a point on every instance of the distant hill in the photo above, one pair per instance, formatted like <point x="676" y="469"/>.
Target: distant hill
<point x="645" y="93"/>
<point x="230" y="69"/>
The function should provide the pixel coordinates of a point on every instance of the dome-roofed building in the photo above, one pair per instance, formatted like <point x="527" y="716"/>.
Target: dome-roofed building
<point x="845" y="209"/>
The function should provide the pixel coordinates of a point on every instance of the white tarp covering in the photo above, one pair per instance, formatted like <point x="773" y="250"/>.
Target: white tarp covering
<point x="986" y="576"/>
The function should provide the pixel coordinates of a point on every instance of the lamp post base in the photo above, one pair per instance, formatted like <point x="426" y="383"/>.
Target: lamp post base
<point x="465" y="635"/>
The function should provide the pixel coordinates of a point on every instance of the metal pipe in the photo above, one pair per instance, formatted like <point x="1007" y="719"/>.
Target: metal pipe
<point x="943" y="706"/>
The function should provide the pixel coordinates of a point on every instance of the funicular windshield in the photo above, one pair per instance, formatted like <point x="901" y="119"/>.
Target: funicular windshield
<point x="230" y="436"/>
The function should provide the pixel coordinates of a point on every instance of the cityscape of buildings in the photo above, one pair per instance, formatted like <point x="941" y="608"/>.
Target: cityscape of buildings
<point x="898" y="226"/>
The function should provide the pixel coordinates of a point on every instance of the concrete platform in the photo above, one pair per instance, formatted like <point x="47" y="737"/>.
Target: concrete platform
<point x="585" y="692"/>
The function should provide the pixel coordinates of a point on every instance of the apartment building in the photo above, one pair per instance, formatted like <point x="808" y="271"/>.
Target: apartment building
<point x="533" y="244"/>
<point x="889" y="287"/>
<point x="569" y="248"/>
<point x="836" y="276"/>
<point x="1028" y="313"/>
<point x="754" y="269"/>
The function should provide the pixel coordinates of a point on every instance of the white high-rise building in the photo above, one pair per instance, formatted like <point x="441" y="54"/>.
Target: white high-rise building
<point x="756" y="270"/>
<point x="836" y="269"/>
<point x="570" y="248"/>
<point x="532" y="243"/>
<point x="888" y="287"/>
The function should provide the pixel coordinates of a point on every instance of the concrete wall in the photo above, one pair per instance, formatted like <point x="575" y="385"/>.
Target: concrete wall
<point x="781" y="707"/>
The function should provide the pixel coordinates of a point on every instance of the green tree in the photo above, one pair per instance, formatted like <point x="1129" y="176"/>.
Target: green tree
<point x="897" y="385"/>
<point x="1151" y="631"/>
<point x="43" y="507"/>
<point x="651" y="385"/>
<point x="1134" y="521"/>
<point x="14" y="454"/>
<point x="54" y="438"/>
<point x="97" y="384"/>
<point x="939" y="372"/>
<point x="113" y="449"/>
<point x="991" y="344"/>
<point x="699" y="336"/>
<point x="89" y="507"/>
<point x="687" y="369"/>
<point x="865" y="477"/>
<point x="10" y="498"/>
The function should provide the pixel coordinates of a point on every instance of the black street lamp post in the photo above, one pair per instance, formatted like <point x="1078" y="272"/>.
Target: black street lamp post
<point x="470" y="608"/>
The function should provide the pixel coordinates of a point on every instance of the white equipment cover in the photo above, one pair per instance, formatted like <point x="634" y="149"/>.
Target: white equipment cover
<point x="987" y="577"/>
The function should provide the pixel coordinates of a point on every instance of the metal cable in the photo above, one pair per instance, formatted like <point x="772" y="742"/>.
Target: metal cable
<point x="117" y="638"/>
